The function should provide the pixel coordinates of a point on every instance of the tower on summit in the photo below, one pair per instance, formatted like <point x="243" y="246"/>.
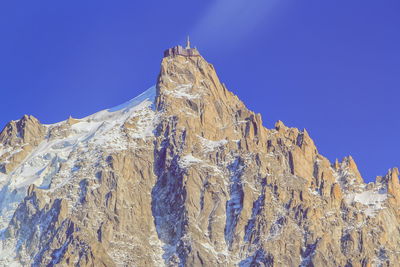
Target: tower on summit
<point x="180" y="51"/>
<point x="188" y="43"/>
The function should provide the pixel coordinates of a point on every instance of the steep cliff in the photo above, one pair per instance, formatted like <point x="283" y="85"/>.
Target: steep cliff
<point x="186" y="175"/>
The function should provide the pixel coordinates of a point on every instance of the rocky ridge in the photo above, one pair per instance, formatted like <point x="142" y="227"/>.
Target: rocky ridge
<point x="186" y="175"/>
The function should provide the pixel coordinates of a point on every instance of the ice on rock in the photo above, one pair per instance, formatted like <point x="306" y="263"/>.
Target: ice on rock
<point x="188" y="160"/>
<point x="209" y="145"/>
<point x="373" y="200"/>
<point x="183" y="91"/>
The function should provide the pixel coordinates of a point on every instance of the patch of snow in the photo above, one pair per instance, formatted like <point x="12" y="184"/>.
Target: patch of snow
<point x="213" y="251"/>
<point x="314" y="192"/>
<point x="183" y="91"/>
<point x="5" y="150"/>
<point x="188" y="160"/>
<point x="148" y="95"/>
<point x="7" y="256"/>
<point x="373" y="199"/>
<point x="210" y="145"/>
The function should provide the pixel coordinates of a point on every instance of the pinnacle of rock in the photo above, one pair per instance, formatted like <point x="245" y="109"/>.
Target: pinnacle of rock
<point x="185" y="175"/>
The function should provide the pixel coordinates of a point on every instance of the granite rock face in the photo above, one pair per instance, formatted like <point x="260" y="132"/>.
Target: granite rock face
<point x="186" y="175"/>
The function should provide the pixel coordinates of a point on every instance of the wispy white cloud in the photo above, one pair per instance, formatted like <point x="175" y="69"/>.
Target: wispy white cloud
<point x="232" y="20"/>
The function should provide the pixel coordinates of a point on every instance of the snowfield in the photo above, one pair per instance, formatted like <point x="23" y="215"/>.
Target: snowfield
<point x="100" y="130"/>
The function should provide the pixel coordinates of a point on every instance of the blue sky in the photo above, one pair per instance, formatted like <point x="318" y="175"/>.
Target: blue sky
<point x="332" y="67"/>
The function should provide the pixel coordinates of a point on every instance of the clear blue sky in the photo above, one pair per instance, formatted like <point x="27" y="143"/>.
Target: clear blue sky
<point x="332" y="67"/>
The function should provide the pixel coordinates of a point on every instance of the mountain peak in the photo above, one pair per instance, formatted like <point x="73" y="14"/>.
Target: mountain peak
<point x="190" y="79"/>
<point x="188" y="176"/>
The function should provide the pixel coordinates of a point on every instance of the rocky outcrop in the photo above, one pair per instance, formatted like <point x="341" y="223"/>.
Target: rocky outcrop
<point x="186" y="175"/>
<point x="26" y="130"/>
<point x="17" y="140"/>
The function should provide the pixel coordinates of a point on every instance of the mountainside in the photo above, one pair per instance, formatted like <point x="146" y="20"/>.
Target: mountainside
<point x="186" y="175"/>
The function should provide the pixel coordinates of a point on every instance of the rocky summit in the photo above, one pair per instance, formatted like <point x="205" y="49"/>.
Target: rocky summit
<point x="185" y="175"/>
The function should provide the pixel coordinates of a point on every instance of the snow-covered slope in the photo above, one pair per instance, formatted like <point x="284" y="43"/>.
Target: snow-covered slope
<point x="65" y="143"/>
